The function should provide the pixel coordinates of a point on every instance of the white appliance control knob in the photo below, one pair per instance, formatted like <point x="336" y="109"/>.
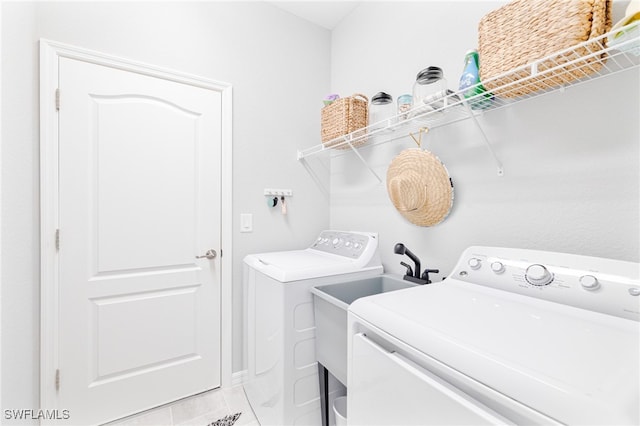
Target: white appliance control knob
<point x="497" y="267"/>
<point x="538" y="275"/>
<point x="474" y="263"/>
<point x="356" y="246"/>
<point x="589" y="282"/>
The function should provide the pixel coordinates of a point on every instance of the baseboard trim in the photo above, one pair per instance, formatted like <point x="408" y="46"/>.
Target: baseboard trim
<point x="239" y="377"/>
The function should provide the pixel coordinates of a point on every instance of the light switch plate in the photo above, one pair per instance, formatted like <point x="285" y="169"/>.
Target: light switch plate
<point x="246" y="222"/>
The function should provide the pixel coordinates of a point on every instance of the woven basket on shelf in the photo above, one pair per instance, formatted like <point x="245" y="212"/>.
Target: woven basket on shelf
<point x="344" y="116"/>
<point x="525" y="31"/>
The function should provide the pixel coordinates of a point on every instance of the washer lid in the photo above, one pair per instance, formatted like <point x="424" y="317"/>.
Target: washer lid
<point x="298" y="265"/>
<point x="573" y="365"/>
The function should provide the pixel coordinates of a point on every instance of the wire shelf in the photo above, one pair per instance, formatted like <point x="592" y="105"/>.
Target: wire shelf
<point x="589" y="60"/>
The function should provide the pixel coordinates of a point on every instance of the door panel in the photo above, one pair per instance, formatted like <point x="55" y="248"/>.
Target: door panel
<point x="157" y="183"/>
<point x="173" y="311"/>
<point x="139" y="197"/>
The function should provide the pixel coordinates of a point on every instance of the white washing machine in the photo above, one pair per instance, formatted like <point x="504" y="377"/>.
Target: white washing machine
<point x="510" y="337"/>
<point x="282" y="384"/>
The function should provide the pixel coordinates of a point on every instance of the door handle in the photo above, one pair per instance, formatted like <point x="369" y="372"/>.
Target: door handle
<point x="210" y="254"/>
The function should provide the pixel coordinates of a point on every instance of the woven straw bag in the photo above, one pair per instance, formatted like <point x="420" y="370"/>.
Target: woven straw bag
<point x="525" y="31"/>
<point x="344" y="116"/>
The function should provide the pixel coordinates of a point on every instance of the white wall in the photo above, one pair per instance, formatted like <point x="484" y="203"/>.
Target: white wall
<point x="279" y="68"/>
<point x="20" y="239"/>
<point x="0" y="212"/>
<point x="571" y="159"/>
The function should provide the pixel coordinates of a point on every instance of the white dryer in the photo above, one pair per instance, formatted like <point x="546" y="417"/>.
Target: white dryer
<point x="282" y="384"/>
<point x="510" y="337"/>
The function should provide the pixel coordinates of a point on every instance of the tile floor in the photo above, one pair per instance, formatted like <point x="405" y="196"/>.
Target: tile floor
<point x="197" y="410"/>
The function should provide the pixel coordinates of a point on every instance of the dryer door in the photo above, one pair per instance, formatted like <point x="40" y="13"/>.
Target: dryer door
<point x="388" y="389"/>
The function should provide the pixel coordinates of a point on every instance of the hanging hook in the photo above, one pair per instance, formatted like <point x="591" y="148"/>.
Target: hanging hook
<point x="414" y="139"/>
<point x="418" y="141"/>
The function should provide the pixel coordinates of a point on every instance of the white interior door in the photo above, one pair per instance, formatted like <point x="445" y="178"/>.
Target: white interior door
<point x="139" y="199"/>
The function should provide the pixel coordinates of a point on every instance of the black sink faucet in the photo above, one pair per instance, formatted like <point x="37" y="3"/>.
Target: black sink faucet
<point x="401" y="249"/>
<point x="414" y="275"/>
<point x="425" y="274"/>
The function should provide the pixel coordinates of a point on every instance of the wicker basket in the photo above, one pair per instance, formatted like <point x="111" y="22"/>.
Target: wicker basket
<point x="344" y="116"/>
<point x="525" y="31"/>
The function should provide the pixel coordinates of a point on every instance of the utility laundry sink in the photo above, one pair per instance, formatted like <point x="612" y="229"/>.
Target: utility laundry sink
<point x="330" y="305"/>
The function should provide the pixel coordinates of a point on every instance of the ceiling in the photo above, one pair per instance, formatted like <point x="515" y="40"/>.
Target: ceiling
<point x="327" y="14"/>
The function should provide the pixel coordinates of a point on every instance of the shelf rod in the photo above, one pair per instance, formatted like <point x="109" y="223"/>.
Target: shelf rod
<point x="314" y="176"/>
<point x="353" y="148"/>
<point x="500" y="169"/>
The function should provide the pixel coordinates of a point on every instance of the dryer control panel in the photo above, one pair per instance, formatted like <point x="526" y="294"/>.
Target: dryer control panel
<point x="347" y="244"/>
<point x="597" y="284"/>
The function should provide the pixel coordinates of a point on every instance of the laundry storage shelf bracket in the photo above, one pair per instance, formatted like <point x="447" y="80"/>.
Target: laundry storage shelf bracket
<point x="582" y="63"/>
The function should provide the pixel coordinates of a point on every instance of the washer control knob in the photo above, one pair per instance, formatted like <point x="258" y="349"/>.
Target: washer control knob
<point x="497" y="267"/>
<point x="474" y="263"/>
<point x="589" y="282"/>
<point x="356" y="246"/>
<point x="538" y="275"/>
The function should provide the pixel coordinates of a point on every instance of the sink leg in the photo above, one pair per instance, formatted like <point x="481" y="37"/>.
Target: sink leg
<point x="323" y="376"/>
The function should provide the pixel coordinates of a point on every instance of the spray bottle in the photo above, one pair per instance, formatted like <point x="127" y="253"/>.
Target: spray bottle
<point x="470" y="82"/>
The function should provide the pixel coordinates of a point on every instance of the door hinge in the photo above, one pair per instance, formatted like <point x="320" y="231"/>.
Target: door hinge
<point x="57" y="99"/>
<point x="57" y="239"/>
<point x="58" y="379"/>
